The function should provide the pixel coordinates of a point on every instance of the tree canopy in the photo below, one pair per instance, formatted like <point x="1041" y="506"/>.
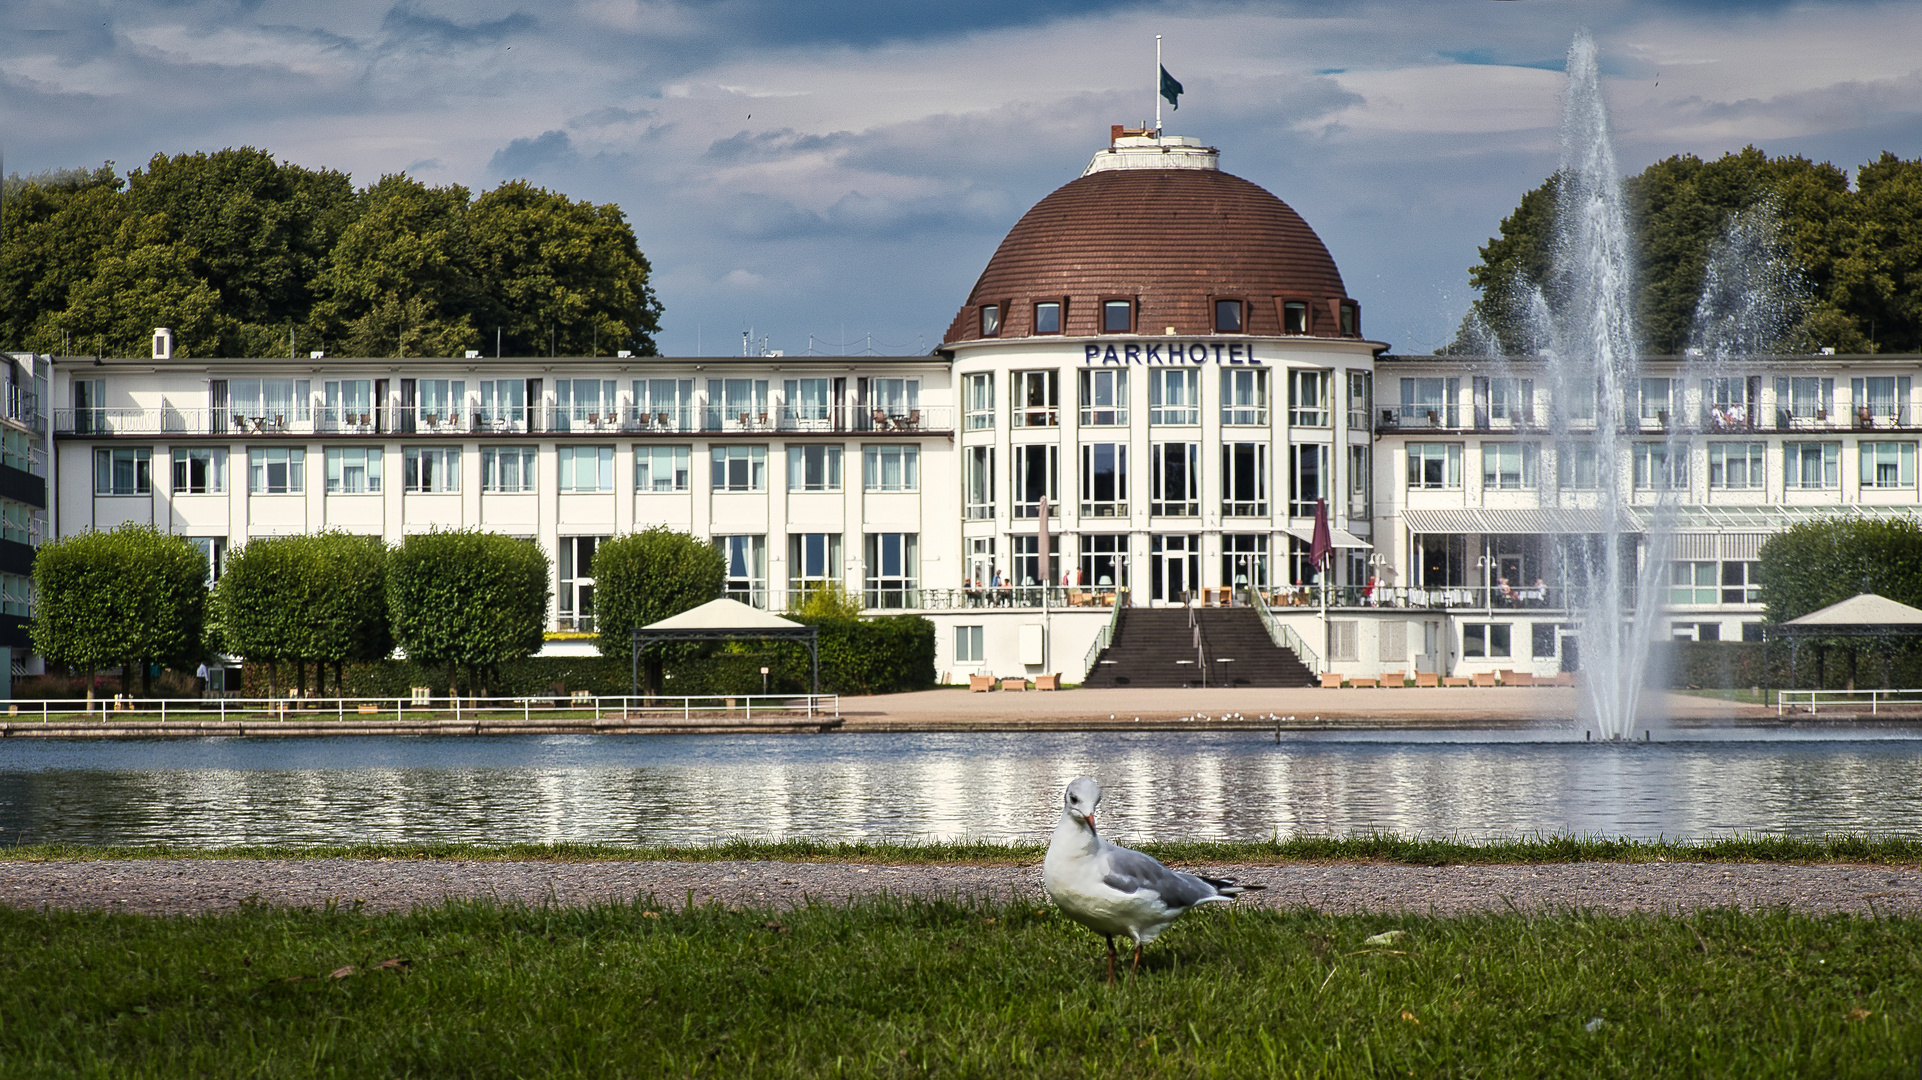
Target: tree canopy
<point x="319" y="599"/>
<point x="126" y="598"/>
<point x="1858" y="249"/>
<point x="1809" y="566"/>
<point x="647" y="576"/>
<point x="467" y="599"/>
<point x="245" y="256"/>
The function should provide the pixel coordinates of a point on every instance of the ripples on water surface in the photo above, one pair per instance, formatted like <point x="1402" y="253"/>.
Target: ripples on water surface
<point x="1002" y="787"/>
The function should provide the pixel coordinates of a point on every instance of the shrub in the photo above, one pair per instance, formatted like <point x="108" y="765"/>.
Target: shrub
<point x="467" y="600"/>
<point x="129" y="598"/>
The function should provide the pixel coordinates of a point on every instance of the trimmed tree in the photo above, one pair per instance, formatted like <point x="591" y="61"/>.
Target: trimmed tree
<point x="320" y="598"/>
<point x="128" y="598"/>
<point x="1809" y="566"/>
<point x="645" y="577"/>
<point x="260" y="603"/>
<point x="467" y="600"/>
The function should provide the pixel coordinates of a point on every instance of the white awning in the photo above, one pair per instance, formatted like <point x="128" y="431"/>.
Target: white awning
<point x="1547" y="520"/>
<point x="724" y="614"/>
<point x="1341" y="538"/>
<point x="1863" y="609"/>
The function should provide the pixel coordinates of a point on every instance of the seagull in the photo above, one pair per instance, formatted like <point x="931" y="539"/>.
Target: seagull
<point x="1114" y="890"/>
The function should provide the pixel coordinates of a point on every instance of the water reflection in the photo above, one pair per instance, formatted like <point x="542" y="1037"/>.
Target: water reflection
<point x="1003" y="787"/>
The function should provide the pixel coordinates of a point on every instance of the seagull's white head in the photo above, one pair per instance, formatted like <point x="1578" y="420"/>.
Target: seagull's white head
<point x="1082" y="797"/>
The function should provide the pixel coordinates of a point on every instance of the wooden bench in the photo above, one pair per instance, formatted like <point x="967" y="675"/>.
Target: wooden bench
<point x="1518" y="678"/>
<point x="1394" y="678"/>
<point x="1455" y="680"/>
<point x="1014" y="684"/>
<point x="1047" y="682"/>
<point x="1330" y="680"/>
<point x="1483" y="678"/>
<point x="1363" y="681"/>
<point x="980" y="684"/>
<point x="1427" y="678"/>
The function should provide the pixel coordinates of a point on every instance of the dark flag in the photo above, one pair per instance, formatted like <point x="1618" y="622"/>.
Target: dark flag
<point x="1170" y="89"/>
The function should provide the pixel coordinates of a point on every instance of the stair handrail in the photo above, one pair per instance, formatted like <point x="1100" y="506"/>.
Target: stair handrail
<point x="1105" y="636"/>
<point x="1282" y="634"/>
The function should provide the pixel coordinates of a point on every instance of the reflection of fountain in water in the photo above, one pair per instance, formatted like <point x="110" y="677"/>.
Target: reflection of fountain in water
<point x="1621" y="432"/>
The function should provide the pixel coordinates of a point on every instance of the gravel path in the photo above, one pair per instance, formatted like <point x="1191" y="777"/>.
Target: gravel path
<point x="194" y="886"/>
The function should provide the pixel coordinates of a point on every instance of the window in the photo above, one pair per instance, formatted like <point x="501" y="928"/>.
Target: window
<point x="1308" y="473"/>
<point x="123" y="472"/>
<point x="990" y="320"/>
<point x="1175" y="480"/>
<point x="733" y="404"/>
<point x="353" y="470"/>
<point x="1577" y="468"/>
<point x="1880" y="400"/>
<point x="814" y="468"/>
<point x="1728" y="404"/>
<point x="90" y="399"/>
<point x="1692" y="583"/>
<point x="1430" y="403"/>
<point x="1244" y="396"/>
<point x="891" y="565"/>
<point x="1434" y="466"/>
<point x="1486" y="640"/>
<point x="1359" y="483"/>
<point x="739" y="468"/>
<point x="665" y="404"/>
<point x="1104" y="397"/>
<point x="585" y="404"/>
<point x="969" y="645"/>
<point x="503" y="404"/>
<point x="1541" y="641"/>
<point x="1037" y="476"/>
<point x="1344" y="639"/>
<point x="1244" y="479"/>
<point x="350" y="402"/>
<point x="980" y="561"/>
<point x="1888" y="464"/>
<point x="891" y="468"/>
<point x="894" y="397"/>
<point x="1174" y="396"/>
<point x="438" y="402"/>
<point x="1350" y="320"/>
<point x="662" y="468"/>
<point x="1104" y="561"/>
<point x="1660" y="467"/>
<point x="277" y="471"/>
<point x="978" y="462"/>
<point x="1047" y="317"/>
<point x="1294" y="317"/>
<point x="979" y="391"/>
<point x="1800" y="401"/>
<point x="1227" y="316"/>
<point x="1361" y="397"/>
<point x="1508" y="466"/>
<point x="270" y="403"/>
<point x="1812" y="465"/>
<point x="576" y="599"/>
<point x="213" y="553"/>
<point x="746" y="559"/>
<point x="1736" y="466"/>
<point x="1654" y="402"/>
<point x="1117" y="316"/>
<point x="1510" y="402"/>
<point x="1036" y="403"/>
<point x="1104" y="479"/>
<point x="586" y="469"/>
<point x="1741" y="582"/>
<point x="509" y="471"/>
<point x="430" y="469"/>
<point x="814" y="561"/>
<point x="200" y="471"/>
<point x="1308" y="398"/>
<point x="1244" y="560"/>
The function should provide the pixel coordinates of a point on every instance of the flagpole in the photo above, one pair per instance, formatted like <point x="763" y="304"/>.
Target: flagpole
<point x="1157" y="87"/>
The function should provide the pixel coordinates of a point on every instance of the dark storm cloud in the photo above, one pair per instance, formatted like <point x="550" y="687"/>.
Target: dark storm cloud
<point x="525" y="157"/>
<point x="406" y="21"/>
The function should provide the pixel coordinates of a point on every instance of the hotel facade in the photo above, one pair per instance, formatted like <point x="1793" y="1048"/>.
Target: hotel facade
<point x="1153" y="385"/>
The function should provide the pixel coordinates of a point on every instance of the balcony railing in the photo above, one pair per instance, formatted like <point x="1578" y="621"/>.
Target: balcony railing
<point x="575" y="420"/>
<point x="903" y="599"/>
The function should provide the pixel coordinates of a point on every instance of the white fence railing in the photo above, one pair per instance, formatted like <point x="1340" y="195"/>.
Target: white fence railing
<point x="425" y="705"/>
<point x="1814" y="701"/>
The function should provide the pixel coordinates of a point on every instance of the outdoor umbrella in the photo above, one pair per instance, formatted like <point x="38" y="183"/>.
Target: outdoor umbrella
<point x="1322" y="547"/>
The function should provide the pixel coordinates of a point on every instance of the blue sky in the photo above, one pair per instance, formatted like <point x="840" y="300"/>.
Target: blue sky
<point x="826" y="172"/>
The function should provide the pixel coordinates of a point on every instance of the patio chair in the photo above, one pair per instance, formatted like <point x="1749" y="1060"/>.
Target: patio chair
<point x="880" y="419"/>
<point x="1048" y="682"/>
<point x="1484" y="678"/>
<point x="1518" y="678"/>
<point x="1331" y="680"/>
<point x="1394" y="678"/>
<point x="1427" y="678"/>
<point x="914" y="420"/>
<point x="980" y="684"/>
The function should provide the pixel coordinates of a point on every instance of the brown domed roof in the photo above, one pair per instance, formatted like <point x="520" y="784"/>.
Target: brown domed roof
<point x="1171" y="239"/>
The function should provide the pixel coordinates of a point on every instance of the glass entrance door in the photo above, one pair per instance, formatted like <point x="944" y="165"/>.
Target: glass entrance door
<point x="1175" y="565"/>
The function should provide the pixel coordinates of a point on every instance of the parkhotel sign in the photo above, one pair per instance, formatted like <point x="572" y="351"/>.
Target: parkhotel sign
<point x="1171" y="352"/>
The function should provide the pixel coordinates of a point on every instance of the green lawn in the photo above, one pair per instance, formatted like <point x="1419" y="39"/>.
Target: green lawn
<point x="909" y="989"/>
<point x="1361" y="847"/>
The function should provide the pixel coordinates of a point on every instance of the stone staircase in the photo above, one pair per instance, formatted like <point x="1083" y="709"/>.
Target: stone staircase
<point x="1150" y="644"/>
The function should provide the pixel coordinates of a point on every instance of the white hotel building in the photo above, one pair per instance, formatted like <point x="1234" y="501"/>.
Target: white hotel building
<point x="1161" y="354"/>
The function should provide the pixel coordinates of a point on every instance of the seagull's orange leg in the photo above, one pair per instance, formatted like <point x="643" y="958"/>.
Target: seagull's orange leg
<point x="1137" y="965"/>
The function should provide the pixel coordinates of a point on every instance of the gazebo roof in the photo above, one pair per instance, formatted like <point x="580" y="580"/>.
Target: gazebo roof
<point x="1863" y="609"/>
<point x="725" y="614"/>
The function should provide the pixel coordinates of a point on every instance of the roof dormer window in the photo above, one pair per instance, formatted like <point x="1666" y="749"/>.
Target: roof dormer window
<point x="1047" y="317"/>
<point x="990" y="320"/>
<point x="1117" y="316"/>
<point x="1294" y="317"/>
<point x="1350" y="320"/>
<point x="1228" y="317"/>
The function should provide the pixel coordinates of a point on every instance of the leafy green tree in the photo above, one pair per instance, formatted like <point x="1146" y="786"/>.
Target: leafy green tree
<point x="138" y="284"/>
<point x="259" y="604"/>
<point x="317" y="599"/>
<point x="645" y="577"/>
<point x="562" y="276"/>
<point x="1809" y="566"/>
<point x="346" y="604"/>
<point x="56" y="232"/>
<point x="467" y="600"/>
<point x="128" y="598"/>
<point x="401" y="279"/>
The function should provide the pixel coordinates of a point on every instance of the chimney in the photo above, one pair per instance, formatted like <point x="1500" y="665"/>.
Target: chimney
<point x="1114" y="133"/>
<point x="163" y="343"/>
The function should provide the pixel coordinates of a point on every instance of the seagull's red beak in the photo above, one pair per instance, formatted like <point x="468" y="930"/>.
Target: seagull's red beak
<point x="1089" y="818"/>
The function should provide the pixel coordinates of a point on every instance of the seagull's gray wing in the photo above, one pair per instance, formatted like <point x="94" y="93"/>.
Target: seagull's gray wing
<point x="1131" y="871"/>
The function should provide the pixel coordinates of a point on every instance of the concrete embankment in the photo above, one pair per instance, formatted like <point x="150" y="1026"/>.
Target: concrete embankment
<point x="297" y="726"/>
